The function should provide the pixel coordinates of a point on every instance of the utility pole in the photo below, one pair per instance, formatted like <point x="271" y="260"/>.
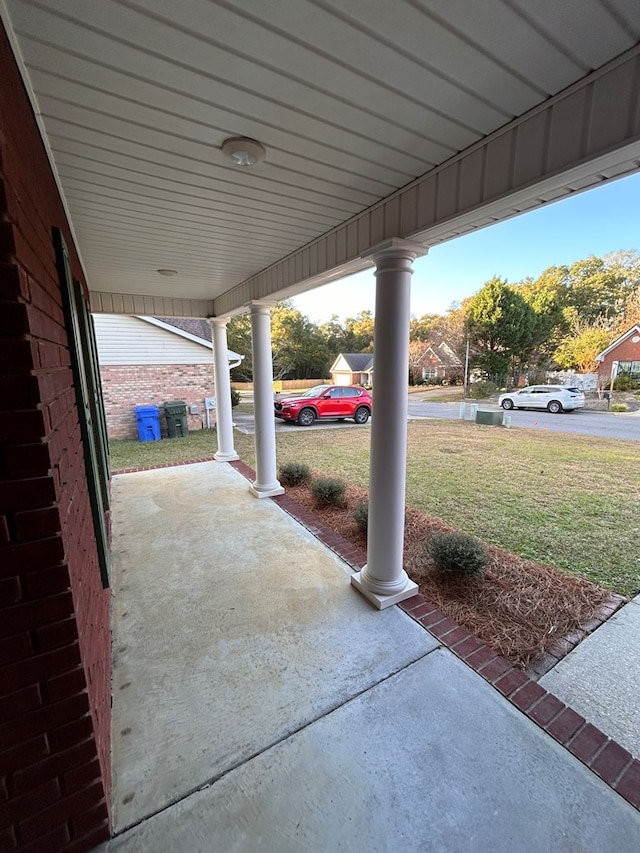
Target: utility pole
<point x="466" y="369"/>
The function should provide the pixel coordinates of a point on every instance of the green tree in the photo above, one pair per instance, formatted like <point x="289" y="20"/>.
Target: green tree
<point x="421" y="329"/>
<point x="544" y="298"/>
<point x="239" y="340"/>
<point x="334" y="335"/>
<point x="597" y="289"/>
<point x="359" y="332"/>
<point x="501" y="326"/>
<point x="299" y="349"/>
<point x="629" y="263"/>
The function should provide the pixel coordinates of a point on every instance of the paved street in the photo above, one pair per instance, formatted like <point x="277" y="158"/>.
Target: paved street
<point x="600" y="424"/>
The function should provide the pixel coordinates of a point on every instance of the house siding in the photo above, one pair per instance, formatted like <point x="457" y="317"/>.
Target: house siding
<point x="130" y="340"/>
<point x="142" y="364"/>
<point x="54" y="622"/>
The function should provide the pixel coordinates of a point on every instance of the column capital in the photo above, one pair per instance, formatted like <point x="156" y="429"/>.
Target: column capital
<point x="396" y="247"/>
<point x="262" y="306"/>
<point x="220" y="322"/>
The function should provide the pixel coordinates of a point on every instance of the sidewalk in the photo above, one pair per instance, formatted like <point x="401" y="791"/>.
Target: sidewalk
<point x="600" y="678"/>
<point x="261" y="704"/>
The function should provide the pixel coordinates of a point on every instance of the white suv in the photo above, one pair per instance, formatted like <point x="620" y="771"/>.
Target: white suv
<point x="553" y="398"/>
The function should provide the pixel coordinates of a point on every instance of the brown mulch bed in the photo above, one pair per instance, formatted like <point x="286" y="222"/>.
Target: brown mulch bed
<point x="519" y="607"/>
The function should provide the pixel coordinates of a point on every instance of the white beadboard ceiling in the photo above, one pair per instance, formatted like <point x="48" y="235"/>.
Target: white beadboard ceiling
<point x="352" y="100"/>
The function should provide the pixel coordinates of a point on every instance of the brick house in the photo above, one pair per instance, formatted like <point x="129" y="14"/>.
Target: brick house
<point x="438" y="361"/>
<point x="625" y="350"/>
<point x="149" y="360"/>
<point x="352" y="368"/>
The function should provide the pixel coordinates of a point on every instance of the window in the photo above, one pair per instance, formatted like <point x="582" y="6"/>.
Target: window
<point x="631" y="368"/>
<point x="429" y="372"/>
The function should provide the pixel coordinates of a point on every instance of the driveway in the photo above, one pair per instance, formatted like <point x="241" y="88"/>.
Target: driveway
<point x="245" y="423"/>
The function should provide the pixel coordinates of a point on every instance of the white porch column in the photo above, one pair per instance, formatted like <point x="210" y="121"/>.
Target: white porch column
<point x="224" y="417"/>
<point x="383" y="580"/>
<point x="266" y="483"/>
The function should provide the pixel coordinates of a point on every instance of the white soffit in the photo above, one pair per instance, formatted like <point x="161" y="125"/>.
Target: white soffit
<point x="351" y="99"/>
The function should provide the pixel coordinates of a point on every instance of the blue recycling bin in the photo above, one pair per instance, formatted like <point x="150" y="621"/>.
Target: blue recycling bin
<point x="148" y="418"/>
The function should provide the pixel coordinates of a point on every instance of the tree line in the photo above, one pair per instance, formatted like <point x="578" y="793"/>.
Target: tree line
<point x="562" y="319"/>
<point x="301" y="349"/>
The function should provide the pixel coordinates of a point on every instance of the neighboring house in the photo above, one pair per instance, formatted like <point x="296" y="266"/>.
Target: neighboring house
<point x="440" y="362"/>
<point x="147" y="361"/>
<point x="625" y="350"/>
<point x="352" y="368"/>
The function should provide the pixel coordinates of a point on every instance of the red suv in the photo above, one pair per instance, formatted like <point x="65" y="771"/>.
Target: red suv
<point x="326" y="402"/>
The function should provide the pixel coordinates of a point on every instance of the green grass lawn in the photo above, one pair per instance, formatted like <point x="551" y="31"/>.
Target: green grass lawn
<point x="567" y="500"/>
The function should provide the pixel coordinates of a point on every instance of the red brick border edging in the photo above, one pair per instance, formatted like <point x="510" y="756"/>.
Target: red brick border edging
<point x="611" y="762"/>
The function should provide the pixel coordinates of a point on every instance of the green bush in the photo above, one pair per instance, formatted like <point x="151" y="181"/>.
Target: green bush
<point x="480" y="390"/>
<point x="294" y="473"/>
<point x="619" y="407"/>
<point x="625" y="382"/>
<point x="361" y="514"/>
<point x="329" y="491"/>
<point x="235" y="397"/>
<point x="457" y="554"/>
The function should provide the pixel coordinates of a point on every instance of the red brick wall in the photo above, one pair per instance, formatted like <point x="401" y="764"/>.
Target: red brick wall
<point x="127" y="386"/>
<point x="54" y="619"/>
<point x="626" y="351"/>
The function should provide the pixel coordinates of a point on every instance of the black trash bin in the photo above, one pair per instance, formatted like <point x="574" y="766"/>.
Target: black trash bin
<point x="175" y="411"/>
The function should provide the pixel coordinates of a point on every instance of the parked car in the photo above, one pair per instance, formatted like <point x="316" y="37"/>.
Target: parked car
<point x="326" y="402"/>
<point x="553" y="398"/>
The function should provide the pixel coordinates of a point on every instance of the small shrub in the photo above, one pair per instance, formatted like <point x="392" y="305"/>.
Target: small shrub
<point x="480" y="390"/>
<point x="457" y="554"/>
<point x="329" y="491"/>
<point x="619" y="407"/>
<point x="294" y="473"/>
<point x="235" y="397"/>
<point x="625" y="382"/>
<point x="361" y="515"/>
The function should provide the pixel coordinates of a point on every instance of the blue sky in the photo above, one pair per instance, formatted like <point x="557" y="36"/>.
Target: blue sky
<point x="595" y="222"/>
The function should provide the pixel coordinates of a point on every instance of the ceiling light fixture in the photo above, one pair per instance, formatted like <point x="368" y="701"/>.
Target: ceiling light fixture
<point x="243" y="151"/>
<point x="168" y="273"/>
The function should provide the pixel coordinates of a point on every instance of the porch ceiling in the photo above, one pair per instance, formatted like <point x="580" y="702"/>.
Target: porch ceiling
<point x="351" y="99"/>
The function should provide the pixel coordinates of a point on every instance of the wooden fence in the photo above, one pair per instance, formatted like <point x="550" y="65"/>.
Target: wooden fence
<point x="284" y="384"/>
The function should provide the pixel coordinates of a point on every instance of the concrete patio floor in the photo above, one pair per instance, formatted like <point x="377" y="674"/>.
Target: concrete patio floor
<point x="261" y="704"/>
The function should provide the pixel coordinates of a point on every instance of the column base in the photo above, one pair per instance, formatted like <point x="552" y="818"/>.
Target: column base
<point x="383" y="601"/>
<point x="219" y="456"/>
<point x="266" y="491"/>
